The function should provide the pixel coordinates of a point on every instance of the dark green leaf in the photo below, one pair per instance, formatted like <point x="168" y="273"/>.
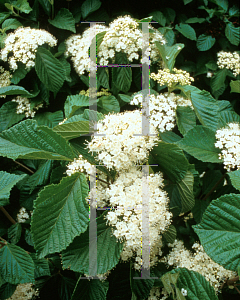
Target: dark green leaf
<point x="122" y="76"/>
<point x="108" y="104"/>
<point x="10" y="24"/>
<point x="64" y="20"/>
<point x="15" y="90"/>
<point x="186" y="119"/>
<point x="233" y="34"/>
<point x="22" y="6"/>
<point x="8" y="115"/>
<point x="235" y="86"/>
<point x="41" y="266"/>
<point x="72" y="130"/>
<point x="235" y="178"/>
<point x="49" y="119"/>
<point x="205" y="42"/>
<point x="14" y="233"/>
<point x="187" y="31"/>
<point x="89" y="6"/>
<point x="158" y="17"/>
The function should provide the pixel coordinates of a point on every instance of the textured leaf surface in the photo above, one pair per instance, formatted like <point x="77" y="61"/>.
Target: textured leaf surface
<point x="235" y="86"/>
<point x="199" y="142"/>
<point x="89" y="6"/>
<point x="186" y="119"/>
<point x="14" y="233"/>
<point x="64" y="20"/>
<point x="15" y="90"/>
<point x="49" y="119"/>
<point x="108" y="104"/>
<point x="41" y="266"/>
<point x="122" y="76"/>
<point x="91" y="290"/>
<point x="72" y="130"/>
<point x="141" y="287"/>
<point x="49" y="70"/>
<point x="7" y="181"/>
<point x="16" y="265"/>
<point x="76" y="256"/>
<point x="61" y="213"/>
<point x="73" y="103"/>
<point x="170" y="160"/>
<point x="198" y="288"/>
<point x="187" y="31"/>
<point x="233" y="34"/>
<point x="219" y="231"/>
<point x="29" y="141"/>
<point x="185" y="189"/>
<point x="205" y="42"/>
<point x="235" y="178"/>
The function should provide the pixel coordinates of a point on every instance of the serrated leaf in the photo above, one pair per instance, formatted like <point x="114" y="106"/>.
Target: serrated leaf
<point x="233" y="34"/>
<point x="16" y="265"/>
<point x="235" y="86"/>
<point x="103" y="77"/>
<point x="90" y="289"/>
<point x="228" y="117"/>
<point x="186" y="119"/>
<point x="73" y="103"/>
<point x="197" y="287"/>
<point x="49" y="119"/>
<point x="199" y="209"/>
<point x="72" y="130"/>
<point x="7" y="182"/>
<point x="76" y="256"/>
<point x="3" y="16"/>
<point x="205" y="42"/>
<point x="218" y="81"/>
<point x="199" y="142"/>
<point x="22" y="5"/>
<point x="187" y="31"/>
<point x="89" y="6"/>
<point x="219" y="231"/>
<point x="235" y="178"/>
<point x="10" y="24"/>
<point x="122" y="76"/>
<point x="108" y="104"/>
<point x="64" y="20"/>
<point x="28" y="237"/>
<point x="233" y="11"/>
<point x="15" y="90"/>
<point x="170" y="234"/>
<point x="41" y="266"/>
<point x="141" y="287"/>
<point x="158" y="17"/>
<point x="170" y="160"/>
<point x="169" y="53"/>
<point x="60" y="214"/>
<point x="29" y="141"/>
<point x="19" y="74"/>
<point x="222" y="3"/>
<point x="7" y="290"/>
<point x="14" y="233"/>
<point x="49" y="70"/>
<point x="185" y="189"/>
<point x="8" y="115"/>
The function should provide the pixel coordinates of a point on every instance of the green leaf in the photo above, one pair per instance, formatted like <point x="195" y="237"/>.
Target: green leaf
<point x="233" y="34"/>
<point x="170" y="234"/>
<point x="199" y="142"/>
<point x="170" y="160"/>
<point x="99" y="39"/>
<point x="67" y="68"/>
<point x="28" y="237"/>
<point x="46" y="6"/>
<point x="169" y="281"/>
<point x="16" y="265"/>
<point x="235" y="178"/>
<point x="199" y="209"/>
<point x="198" y="288"/>
<point x="158" y="17"/>
<point x="15" y="90"/>
<point x="76" y="256"/>
<point x="212" y="65"/>
<point x="7" y="290"/>
<point x="73" y="103"/>
<point x="40" y="177"/>
<point x="205" y="42"/>
<point x="103" y="77"/>
<point x="14" y="233"/>
<point x="233" y="11"/>
<point x="187" y="31"/>
<point x="218" y="81"/>
<point x="169" y="53"/>
<point x="41" y="266"/>
<point x="222" y="3"/>
<point x="49" y="69"/>
<point x="22" y="6"/>
<point x="3" y="16"/>
<point x="122" y="76"/>
<point x="195" y="20"/>
<point x="10" y="24"/>
<point x="219" y="231"/>
<point x="235" y="86"/>
<point x="29" y="141"/>
<point x="19" y="74"/>
<point x="72" y="130"/>
<point x="64" y="20"/>
<point x="186" y="119"/>
<point x="187" y="1"/>
<point x="228" y="117"/>
<point x="125" y="98"/>
<point x="140" y="287"/>
<point x="185" y="189"/>
<point x="89" y="6"/>
<point x="60" y="214"/>
<point x="8" y="115"/>
<point x="108" y="104"/>
<point x="7" y="182"/>
<point x="90" y="289"/>
<point x="49" y="119"/>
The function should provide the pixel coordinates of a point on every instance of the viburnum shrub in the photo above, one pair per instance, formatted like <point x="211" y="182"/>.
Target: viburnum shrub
<point x="61" y="158"/>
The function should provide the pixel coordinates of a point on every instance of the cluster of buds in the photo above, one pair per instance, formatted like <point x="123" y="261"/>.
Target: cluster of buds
<point x="24" y="106"/>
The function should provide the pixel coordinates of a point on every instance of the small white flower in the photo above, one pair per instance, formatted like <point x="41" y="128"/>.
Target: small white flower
<point x="184" y="292"/>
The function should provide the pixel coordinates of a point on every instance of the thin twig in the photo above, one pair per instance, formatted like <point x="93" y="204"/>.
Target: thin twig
<point x="237" y="289"/>
<point x="7" y="215"/>
<point x="214" y="187"/>
<point x="25" y="167"/>
<point x="100" y="180"/>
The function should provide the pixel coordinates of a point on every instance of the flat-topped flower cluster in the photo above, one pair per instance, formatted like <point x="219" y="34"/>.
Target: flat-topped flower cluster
<point x="229" y="61"/>
<point x="5" y="79"/>
<point x="24" y="106"/>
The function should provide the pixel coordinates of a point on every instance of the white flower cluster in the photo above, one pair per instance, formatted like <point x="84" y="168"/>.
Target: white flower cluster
<point x="123" y="34"/>
<point x="162" y="109"/>
<point x="229" y="61"/>
<point x="23" y="44"/>
<point x="24" y="105"/>
<point x="164" y="77"/>
<point x="25" y="291"/>
<point x="199" y="262"/>
<point x="79" y="165"/>
<point x="125" y="195"/>
<point x="119" y="147"/>
<point x="228" y="140"/>
<point x="103" y="92"/>
<point x="5" y="77"/>
<point x="23" y="215"/>
<point x="77" y="47"/>
<point x="63" y="121"/>
<point x="155" y="294"/>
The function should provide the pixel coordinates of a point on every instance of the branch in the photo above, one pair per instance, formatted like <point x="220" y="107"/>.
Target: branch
<point x="25" y="167"/>
<point x="7" y="215"/>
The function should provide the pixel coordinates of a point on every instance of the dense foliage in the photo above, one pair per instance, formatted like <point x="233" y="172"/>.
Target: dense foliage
<point x="48" y="150"/>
